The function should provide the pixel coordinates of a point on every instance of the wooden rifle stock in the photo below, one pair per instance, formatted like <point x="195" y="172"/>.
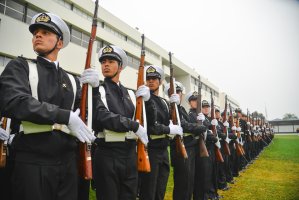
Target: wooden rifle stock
<point x="237" y="145"/>
<point x="225" y="144"/>
<point x="218" y="154"/>
<point x="143" y="164"/>
<point x="180" y="147"/>
<point x="239" y="135"/>
<point x="203" y="152"/>
<point x="85" y="168"/>
<point x="3" y="146"/>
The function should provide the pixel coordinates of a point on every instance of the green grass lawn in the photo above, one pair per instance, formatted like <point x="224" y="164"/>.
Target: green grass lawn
<point x="274" y="175"/>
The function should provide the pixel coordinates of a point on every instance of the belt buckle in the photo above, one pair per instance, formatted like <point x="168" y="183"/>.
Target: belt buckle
<point x="57" y="127"/>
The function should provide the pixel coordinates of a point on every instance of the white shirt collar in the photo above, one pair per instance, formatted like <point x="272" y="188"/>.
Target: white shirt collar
<point x="55" y="62"/>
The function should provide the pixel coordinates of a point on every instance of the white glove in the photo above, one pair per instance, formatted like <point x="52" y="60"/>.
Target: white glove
<point x="11" y="137"/>
<point x="90" y="76"/>
<point x="214" y="122"/>
<point x="79" y="129"/>
<point x="248" y="123"/>
<point x="218" y="145"/>
<point x="3" y="135"/>
<point x="205" y="134"/>
<point x="226" y="124"/>
<point x="201" y="117"/>
<point x="142" y="134"/>
<point x="144" y="92"/>
<point x="239" y="129"/>
<point x="175" y="98"/>
<point x="175" y="129"/>
<point x="234" y="128"/>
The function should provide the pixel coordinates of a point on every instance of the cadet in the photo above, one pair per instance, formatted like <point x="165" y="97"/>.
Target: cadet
<point x="153" y="184"/>
<point x="184" y="170"/>
<point x="41" y="95"/>
<point x="115" y="159"/>
<point x="242" y="129"/>
<point x="205" y="186"/>
<point x="222" y="182"/>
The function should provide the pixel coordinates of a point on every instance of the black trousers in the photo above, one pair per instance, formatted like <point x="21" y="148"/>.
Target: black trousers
<point x="83" y="189"/>
<point x="153" y="184"/>
<point x="45" y="182"/>
<point x="222" y="182"/>
<point x="115" y="172"/>
<point x="205" y="183"/>
<point x="183" y="173"/>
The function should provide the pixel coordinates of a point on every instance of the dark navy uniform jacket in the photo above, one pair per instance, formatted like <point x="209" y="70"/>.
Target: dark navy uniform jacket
<point x="56" y="97"/>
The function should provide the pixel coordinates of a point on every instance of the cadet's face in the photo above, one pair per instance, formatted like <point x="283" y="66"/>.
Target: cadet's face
<point x="205" y="110"/>
<point x="193" y="104"/>
<point x="217" y="115"/>
<point x="153" y="83"/>
<point x="180" y="94"/>
<point x="109" y="67"/>
<point x="44" y="40"/>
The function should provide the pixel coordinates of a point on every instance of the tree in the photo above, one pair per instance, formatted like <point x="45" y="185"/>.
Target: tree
<point x="289" y="116"/>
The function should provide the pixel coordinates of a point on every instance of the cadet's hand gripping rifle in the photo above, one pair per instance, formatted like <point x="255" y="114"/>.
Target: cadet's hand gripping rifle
<point x="218" y="154"/>
<point x="203" y="152"/>
<point x="180" y="147"/>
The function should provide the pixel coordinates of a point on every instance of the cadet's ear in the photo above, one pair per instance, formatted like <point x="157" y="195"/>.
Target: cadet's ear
<point x="59" y="44"/>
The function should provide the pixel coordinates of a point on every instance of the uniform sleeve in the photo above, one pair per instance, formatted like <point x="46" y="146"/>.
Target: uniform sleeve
<point x="153" y="127"/>
<point x="104" y="119"/>
<point x="188" y="127"/>
<point x="193" y="116"/>
<point x="78" y="95"/>
<point x="17" y="101"/>
<point x="220" y="132"/>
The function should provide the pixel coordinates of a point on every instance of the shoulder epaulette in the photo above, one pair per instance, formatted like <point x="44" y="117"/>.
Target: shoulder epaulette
<point x="28" y="59"/>
<point x="72" y="73"/>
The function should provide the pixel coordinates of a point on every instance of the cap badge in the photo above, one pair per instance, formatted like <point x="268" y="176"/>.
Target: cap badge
<point x="151" y="70"/>
<point x="43" y="18"/>
<point x="107" y="49"/>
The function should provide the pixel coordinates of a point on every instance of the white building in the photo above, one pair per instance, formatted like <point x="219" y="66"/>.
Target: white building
<point x="15" y="40"/>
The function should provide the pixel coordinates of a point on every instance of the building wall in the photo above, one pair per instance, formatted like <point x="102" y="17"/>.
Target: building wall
<point x="15" y="40"/>
<point x="285" y="128"/>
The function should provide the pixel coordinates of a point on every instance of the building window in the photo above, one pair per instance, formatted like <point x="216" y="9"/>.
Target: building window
<point x="114" y="32"/>
<point x="13" y="9"/>
<point x="133" y="62"/>
<point x="78" y="37"/>
<point x="17" y="10"/>
<point x="4" y="60"/>
<point x="30" y="14"/>
<point x="64" y="4"/>
<point x="2" y="6"/>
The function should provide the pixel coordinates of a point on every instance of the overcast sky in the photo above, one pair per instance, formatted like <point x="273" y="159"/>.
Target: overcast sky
<point x="248" y="48"/>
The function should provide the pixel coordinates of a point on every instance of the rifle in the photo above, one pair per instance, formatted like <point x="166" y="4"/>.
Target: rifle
<point x="248" y="126"/>
<point x="218" y="154"/>
<point x="239" y="135"/>
<point x="143" y="164"/>
<point x="203" y="152"/>
<point x="180" y="147"/>
<point x="237" y="145"/>
<point x="85" y="169"/>
<point x="225" y="144"/>
<point x="3" y="147"/>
